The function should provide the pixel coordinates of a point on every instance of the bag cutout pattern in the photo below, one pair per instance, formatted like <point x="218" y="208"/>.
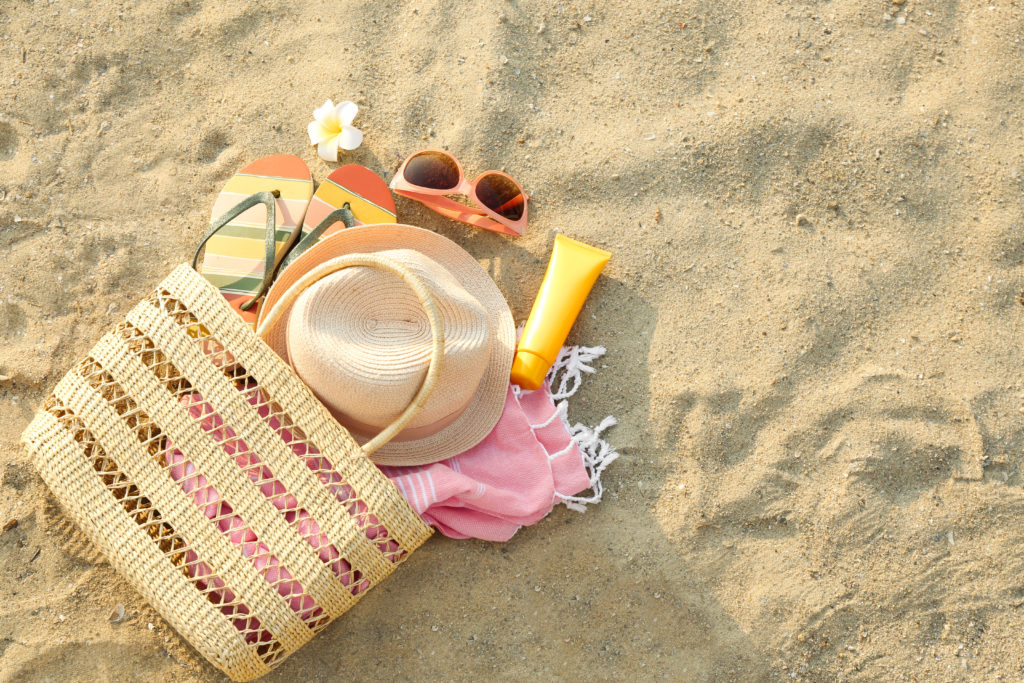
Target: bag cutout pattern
<point x="216" y="483"/>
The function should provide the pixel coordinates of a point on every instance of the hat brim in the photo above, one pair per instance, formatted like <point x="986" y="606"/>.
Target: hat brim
<point x="483" y="411"/>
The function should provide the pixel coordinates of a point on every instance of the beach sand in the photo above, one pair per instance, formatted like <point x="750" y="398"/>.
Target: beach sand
<point x="813" y="316"/>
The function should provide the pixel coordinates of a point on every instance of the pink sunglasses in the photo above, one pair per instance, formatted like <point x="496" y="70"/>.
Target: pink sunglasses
<point x="429" y="174"/>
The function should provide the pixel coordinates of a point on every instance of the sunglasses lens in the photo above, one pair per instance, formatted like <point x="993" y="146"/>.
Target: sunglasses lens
<point x="501" y="195"/>
<point x="432" y="170"/>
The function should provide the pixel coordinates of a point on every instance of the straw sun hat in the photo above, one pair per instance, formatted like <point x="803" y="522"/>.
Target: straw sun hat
<point x="361" y="339"/>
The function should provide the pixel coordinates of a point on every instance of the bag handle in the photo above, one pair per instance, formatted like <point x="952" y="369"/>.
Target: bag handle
<point x="426" y="299"/>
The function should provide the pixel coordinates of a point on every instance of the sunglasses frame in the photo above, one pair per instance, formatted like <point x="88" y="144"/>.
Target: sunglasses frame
<point x="479" y="216"/>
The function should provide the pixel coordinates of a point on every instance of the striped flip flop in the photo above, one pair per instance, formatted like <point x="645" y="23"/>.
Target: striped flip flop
<point x="353" y="187"/>
<point x="254" y="222"/>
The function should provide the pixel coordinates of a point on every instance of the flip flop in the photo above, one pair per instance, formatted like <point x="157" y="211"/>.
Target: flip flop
<point x="352" y="187"/>
<point x="366" y="193"/>
<point x="254" y="222"/>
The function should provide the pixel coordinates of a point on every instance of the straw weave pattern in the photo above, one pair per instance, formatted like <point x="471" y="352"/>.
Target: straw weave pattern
<point x="216" y="483"/>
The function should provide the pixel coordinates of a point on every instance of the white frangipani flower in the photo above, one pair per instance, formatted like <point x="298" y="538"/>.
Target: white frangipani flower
<point x="332" y="128"/>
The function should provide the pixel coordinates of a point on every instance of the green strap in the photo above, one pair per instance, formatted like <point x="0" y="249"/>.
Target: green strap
<point x="344" y="215"/>
<point x="267" y="199"/>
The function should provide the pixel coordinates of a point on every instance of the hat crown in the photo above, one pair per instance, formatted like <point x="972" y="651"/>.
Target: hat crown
<point x="361" y="341"/>
<point x="456" y="420"/>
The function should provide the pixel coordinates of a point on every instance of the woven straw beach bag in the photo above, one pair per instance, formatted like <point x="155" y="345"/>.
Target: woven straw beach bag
<point x="216" y="483"/>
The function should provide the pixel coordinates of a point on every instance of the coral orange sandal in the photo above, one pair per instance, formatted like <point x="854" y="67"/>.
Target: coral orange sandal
<point x="351" y="195"/>
<point x="255" y="220"/>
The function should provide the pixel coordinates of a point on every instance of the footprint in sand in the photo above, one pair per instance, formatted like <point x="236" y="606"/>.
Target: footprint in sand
<point x="8" y="141"/>
<point x="805" y="496"/>
<point x="210" y="146"/>
<point x="877" y="437"/>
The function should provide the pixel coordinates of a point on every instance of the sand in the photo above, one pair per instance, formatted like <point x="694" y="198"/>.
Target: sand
<point x="812" y="316"/>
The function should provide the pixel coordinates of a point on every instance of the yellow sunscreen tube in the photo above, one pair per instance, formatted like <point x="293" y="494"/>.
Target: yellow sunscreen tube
<point x="571" y="273"/>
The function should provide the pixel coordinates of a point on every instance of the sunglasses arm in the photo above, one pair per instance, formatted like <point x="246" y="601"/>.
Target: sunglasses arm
<point x="459" y="212"/>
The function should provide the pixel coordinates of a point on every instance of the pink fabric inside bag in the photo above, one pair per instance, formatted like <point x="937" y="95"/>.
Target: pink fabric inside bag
<point x="231" y="524"/>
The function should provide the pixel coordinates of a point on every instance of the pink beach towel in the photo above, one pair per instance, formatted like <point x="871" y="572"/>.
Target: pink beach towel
<point x="510" y="479"/>
<point x="530" y="461"/>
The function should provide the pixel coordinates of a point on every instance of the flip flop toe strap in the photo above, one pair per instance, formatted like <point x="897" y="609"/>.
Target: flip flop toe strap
<point x="267" y="199"/>
<point x="344" y="215"/>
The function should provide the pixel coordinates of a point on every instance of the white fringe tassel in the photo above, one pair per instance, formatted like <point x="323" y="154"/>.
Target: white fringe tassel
<point x="565" y="377"/>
